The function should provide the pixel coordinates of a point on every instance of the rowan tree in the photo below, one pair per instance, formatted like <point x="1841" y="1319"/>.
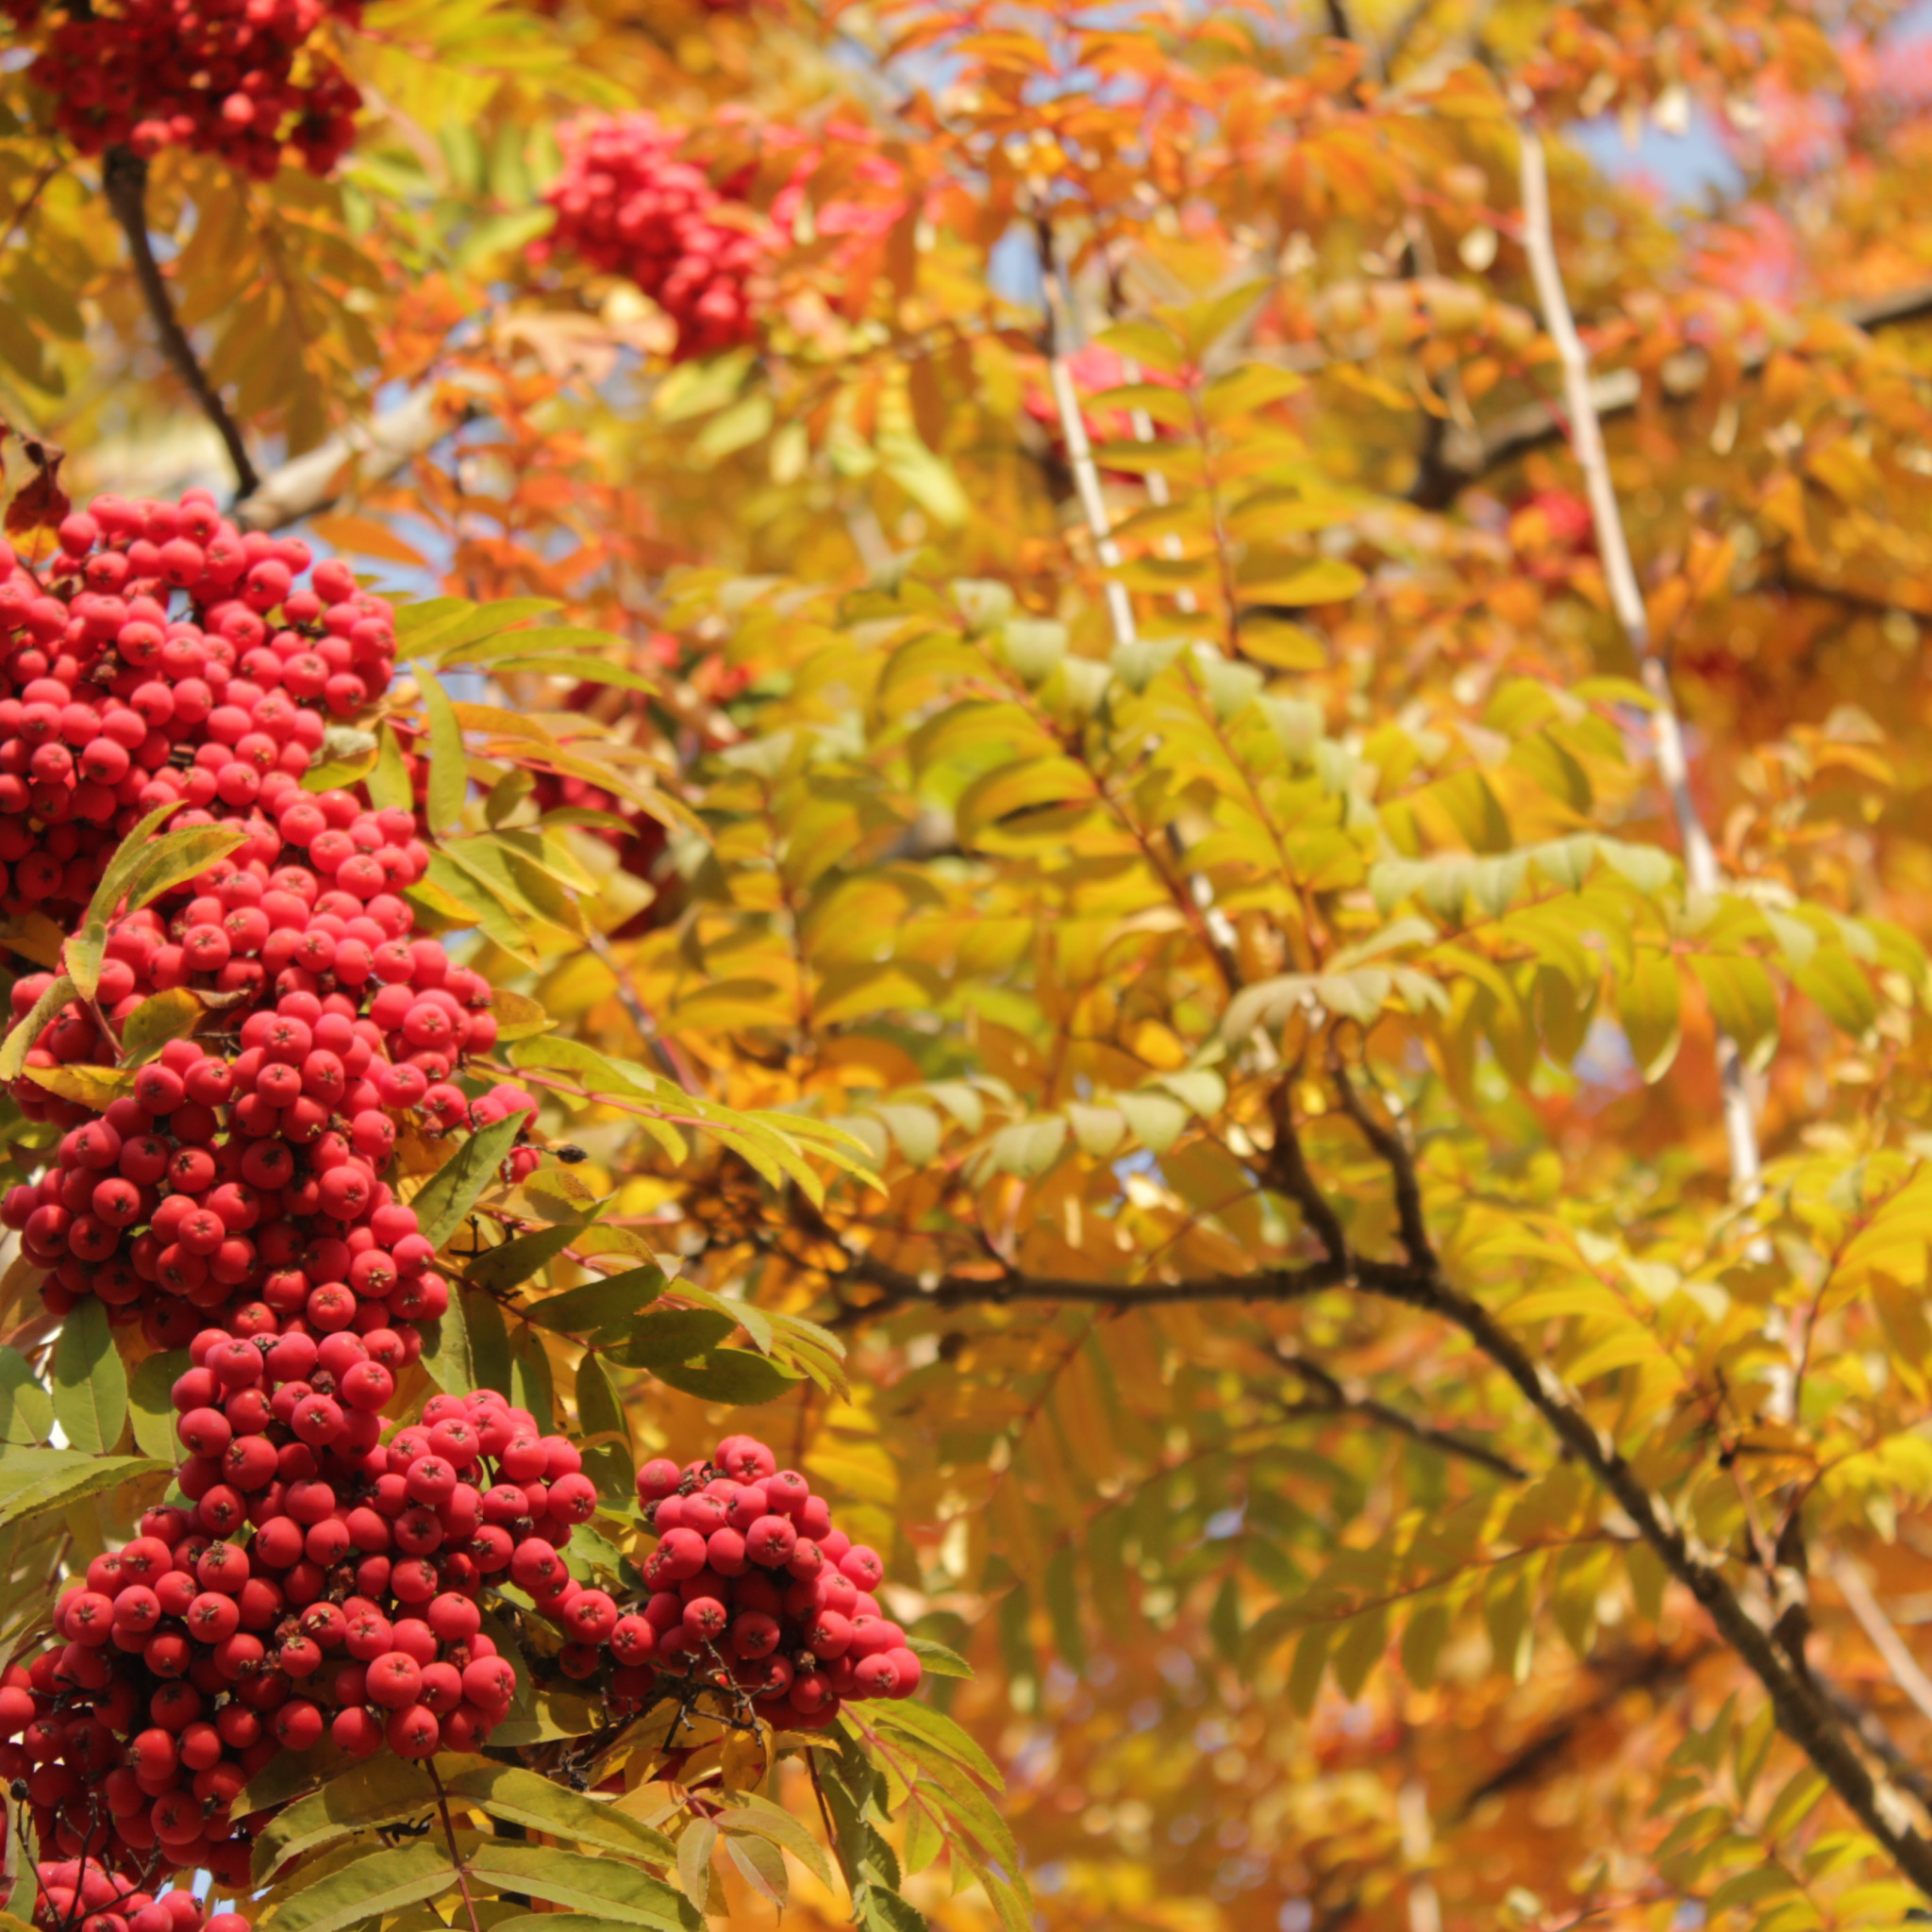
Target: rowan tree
<point x="1163" y="775"/>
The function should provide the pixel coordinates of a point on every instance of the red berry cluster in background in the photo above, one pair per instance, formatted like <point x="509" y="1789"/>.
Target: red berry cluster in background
<point x="752" y="1591"/>
<point x="236" y="79"/>
<point x="627" y="204"/>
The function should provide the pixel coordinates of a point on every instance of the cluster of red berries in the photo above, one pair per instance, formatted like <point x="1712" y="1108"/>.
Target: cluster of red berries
<point x="81" y="1890"/>
<point x="248" y="1181"/>
<point x="628" y="204"/>
<point x="163" y="656"/>
<point x="218" y="76"/>
<point x="240" y="1171"/>
<point x="186" y="1661"/>
<point x="752" y="1591"/>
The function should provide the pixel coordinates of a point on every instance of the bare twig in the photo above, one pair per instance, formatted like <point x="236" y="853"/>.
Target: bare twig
<point x="1906" y="1672"/>
<point x="1338" y="1397"/>
<point x="1627" y="600"/>
<point x="124" y="175"/>
<point x="1120" y="605"/>
<point x="673" y="1061"/>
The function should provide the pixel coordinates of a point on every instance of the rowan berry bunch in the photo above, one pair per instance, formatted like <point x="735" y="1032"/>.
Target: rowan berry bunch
<point x="248" y="1181"/>
<point x="161" y="654"/>
<point x="628" y="204"/>
<point x="753" y="1592"/>
<point x="242" y="79"/>
<point x="80" y="1890"/>
<point x="313" y="1580"/>
<point x="239" y="1172"/>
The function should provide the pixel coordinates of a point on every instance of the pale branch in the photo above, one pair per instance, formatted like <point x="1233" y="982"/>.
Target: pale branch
<point x="1120" y="605"/>
<point x="368" y="451"/>
<point x="1627" y="600"/>
<point x="124" y="178"/>
<point x="1468" y="454"/>
<point x="1906" y="1670"/>
<point x="1336" y="1396"/>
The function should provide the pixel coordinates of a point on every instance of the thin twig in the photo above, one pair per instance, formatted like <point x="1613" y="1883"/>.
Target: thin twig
<point x="641" y="1017"/>
<point x="1120" y="605"/>
<point x="1803" y="1713"/>
<point x="1906" y="1670"/>
<point x="449" y="1832"/>
<point x="124" y="175"/>
<point x="1627" y="600"/>
<point x="1340" y="1397"/>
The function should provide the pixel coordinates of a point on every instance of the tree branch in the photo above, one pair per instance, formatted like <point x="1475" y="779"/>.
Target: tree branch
<point x="1803" y="1712"/>
<point x="378" y="448"/>
<point x="1904" y="1667"/>
<point x="1352" y="1398"/>
<point x="124" y="176"/>
<point x="1468" y="454"/>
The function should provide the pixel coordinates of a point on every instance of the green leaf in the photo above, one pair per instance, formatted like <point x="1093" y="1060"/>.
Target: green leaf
<point x="388" y="780"/>
<point x="164" y="1016"/>
<point x="377" y="1791"/>
<point x="33" y="1480"/>
<point x="516" y="1260"/>
<point x="616" y="1893"/>
<point x="695" y="1848"/>
<point x="89" y="1382"/>
<point x="26" y="1411"/>
<point x="359" y="1894"/>
<point x="87" y="948"/>
<point x="449" y="773"/>
<point x="97" y="1088"/>
<point x="488" y="1339"/>
<point x="151" y="1400"/>
<point x="447" y="1358"/>
<point x="731" y="1375"/>
<point x="524" y="1798"/>
<point x="600" y="1411"/>
<point x="761" y="1817"/>
<point x="22" y="1035"/>
<point x="672" y="1336"/>
<point x="1648" y="1004"/>
<point x="599" y="1309"/>
<point x="937" y="1729"/>
<point x="938" y="1660"/>
<point x="175" y="856"/>
<point x="447" y="1197"/>
<point x="530" y="1385"/>
<point x="583" y="669"/>
<point x="761" y="1865"/>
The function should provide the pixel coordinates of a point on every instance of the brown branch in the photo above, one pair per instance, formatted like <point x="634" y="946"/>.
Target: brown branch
<point x="1803" y="1714"/>
<point x="1394" y="1155"/>
<point x="1287" y="1173"/>
<point x="1351" y="1398"/>
<point x="124" y="176"/>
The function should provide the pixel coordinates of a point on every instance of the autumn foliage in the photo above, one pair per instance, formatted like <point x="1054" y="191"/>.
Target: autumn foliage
<point x="966" y="965"/>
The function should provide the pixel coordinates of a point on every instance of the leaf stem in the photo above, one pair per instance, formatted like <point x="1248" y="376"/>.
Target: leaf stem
<point x="449" y="1833"/>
